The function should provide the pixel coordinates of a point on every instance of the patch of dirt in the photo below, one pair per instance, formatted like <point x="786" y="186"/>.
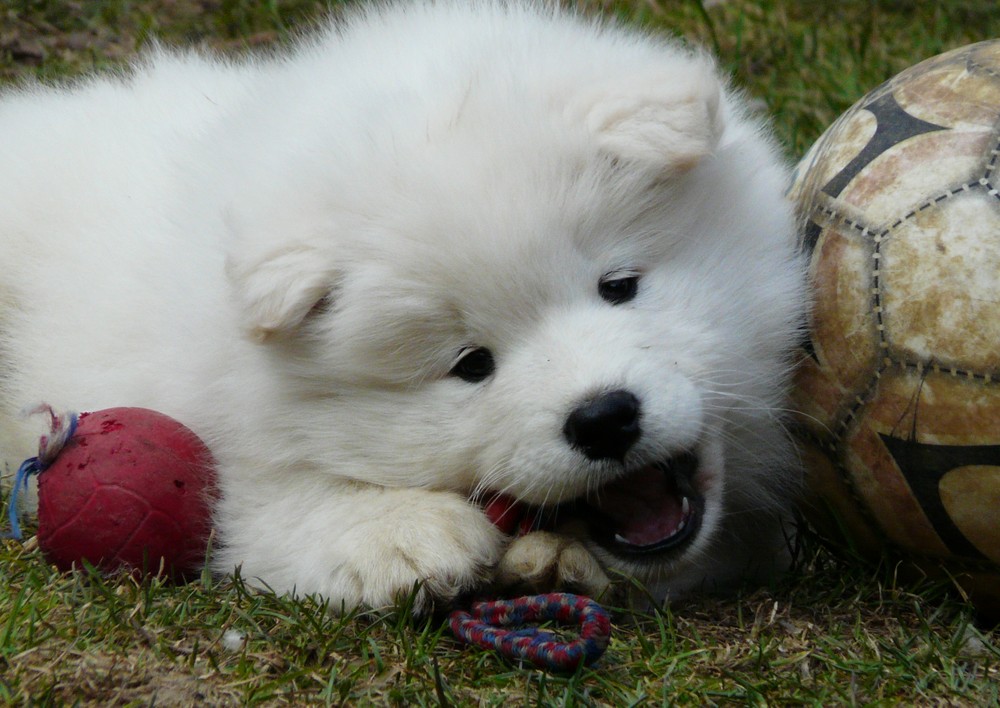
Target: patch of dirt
<point x="70" y="675"/>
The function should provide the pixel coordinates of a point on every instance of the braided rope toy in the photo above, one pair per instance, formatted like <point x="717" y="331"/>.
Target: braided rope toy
<point x="485" y="626"/>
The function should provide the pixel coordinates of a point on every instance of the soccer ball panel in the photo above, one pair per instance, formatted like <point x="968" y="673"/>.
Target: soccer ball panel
<point x="971" y="496"/>
<point x="844" y="331"/>
<point x="919" y="428"/>
<point x="935" y="408"/>
<point x="833" y="505"/>
<point x="961" y="94"/>
<point x="897" y="182"/>
<point x="941" y="284"/>
<point x="841" y="145"/>
<point x="886" y="492"/>
<point x="965" y="410"/>
<point x="818" y="397"/>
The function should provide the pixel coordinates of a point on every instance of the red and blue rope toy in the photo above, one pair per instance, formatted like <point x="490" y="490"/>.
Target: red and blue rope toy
<point x="503" y="625"/>
<point x="487" y="626"/>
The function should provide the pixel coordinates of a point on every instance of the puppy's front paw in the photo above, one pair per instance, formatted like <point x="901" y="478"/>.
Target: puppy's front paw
<point x="547" y="562"/>
<point x="436" y="543"/>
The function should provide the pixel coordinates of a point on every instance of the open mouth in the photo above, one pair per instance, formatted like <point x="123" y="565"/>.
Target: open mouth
<point x="650" y="511"/>
<point x="655" y="509"/>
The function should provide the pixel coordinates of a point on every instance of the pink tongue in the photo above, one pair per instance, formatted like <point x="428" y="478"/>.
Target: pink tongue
<point x="644" y="508"/>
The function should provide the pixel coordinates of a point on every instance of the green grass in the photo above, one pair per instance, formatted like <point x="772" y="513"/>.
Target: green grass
<point x="834" y="632"/>
<point x="806" y="61"/>
<point x="831" y="633"/>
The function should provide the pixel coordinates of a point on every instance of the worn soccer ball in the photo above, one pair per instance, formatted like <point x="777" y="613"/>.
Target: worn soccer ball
<point x="900" y="388"/>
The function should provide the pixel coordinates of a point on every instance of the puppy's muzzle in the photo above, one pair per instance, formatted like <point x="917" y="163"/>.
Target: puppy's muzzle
<point x="647" y="510"/>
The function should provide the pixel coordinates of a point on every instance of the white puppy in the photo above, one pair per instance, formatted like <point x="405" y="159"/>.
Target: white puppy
<point x="441" y="250"/>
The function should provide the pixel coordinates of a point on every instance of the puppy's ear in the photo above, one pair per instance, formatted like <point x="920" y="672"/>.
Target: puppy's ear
<point x="667" y="119"/>
<point x="279" y="289"/>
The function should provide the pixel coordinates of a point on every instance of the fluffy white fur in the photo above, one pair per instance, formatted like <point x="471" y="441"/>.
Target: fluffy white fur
<point x="289" y="254"/>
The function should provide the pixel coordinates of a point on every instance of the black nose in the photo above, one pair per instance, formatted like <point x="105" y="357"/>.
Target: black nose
<point x="604" y="427"/>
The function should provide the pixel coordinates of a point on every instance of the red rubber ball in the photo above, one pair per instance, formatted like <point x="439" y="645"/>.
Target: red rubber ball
<point x="131" y="488"/>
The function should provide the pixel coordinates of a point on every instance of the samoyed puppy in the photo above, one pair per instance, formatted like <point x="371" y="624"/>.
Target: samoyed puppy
<point x="437" y="253"/>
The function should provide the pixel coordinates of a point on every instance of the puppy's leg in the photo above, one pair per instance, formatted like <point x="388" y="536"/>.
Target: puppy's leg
<point x="545" y="562"/>
<point x="357" y="544"/>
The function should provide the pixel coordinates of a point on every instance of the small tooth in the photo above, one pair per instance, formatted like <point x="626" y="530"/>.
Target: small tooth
<point x="685" y="507"/>
<point x="620" y="539"/>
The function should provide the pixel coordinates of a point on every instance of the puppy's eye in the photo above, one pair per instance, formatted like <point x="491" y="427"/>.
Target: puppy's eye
<point x="617" y="288"/>
<point x="474" y="365"/>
